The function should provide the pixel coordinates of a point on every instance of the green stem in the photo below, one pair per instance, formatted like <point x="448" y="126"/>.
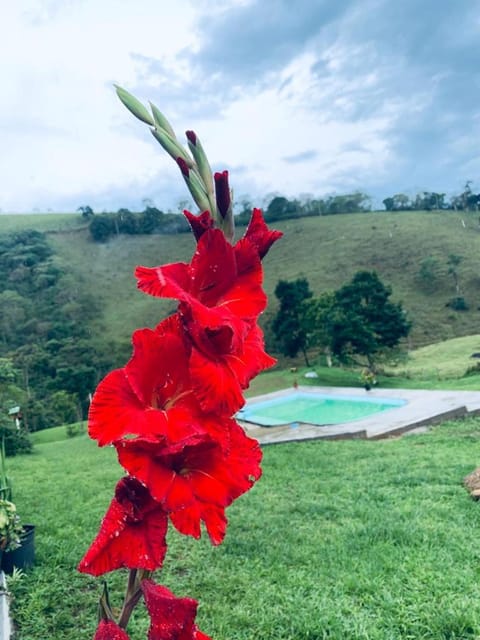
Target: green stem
<point x="132" y="595"/>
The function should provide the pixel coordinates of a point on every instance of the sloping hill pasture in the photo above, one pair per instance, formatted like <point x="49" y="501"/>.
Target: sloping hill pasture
<point x="40" y="221"/>
<point x="327" y="250"/>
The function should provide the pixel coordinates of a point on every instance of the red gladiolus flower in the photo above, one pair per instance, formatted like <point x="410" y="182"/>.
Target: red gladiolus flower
<point x="151" y="396"/>
<point x="221" y="367"/>
<point x="180" y="473"/>
<point x="132" y="533"/>
<point x="195" y="479"/>
<point x="220" y="295"/>
<point x="171" y="618"/>
<point x="243" y="456"/>
<point x="108" y="630"/>
<point x="211" y="280"/>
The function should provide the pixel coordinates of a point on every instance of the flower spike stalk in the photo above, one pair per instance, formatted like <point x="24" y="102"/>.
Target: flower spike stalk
<point x="199" y="179"/>
<point x="170" y="411"/>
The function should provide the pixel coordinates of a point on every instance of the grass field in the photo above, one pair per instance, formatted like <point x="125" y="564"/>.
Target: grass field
<point x="448" y="359"/>
<point x="348" y="540"/>
<point x="45" y="222"/>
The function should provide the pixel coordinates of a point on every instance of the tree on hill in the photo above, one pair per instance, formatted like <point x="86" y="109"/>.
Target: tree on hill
<point x="280" y="208"/>
<point x="429" y="201"/>
<point x="316" y="319"/>
<point x="357" y="202"/>
<point x="101" y="227"/>
<point x="398" y="202"/>
<point x="363" y="321"/>
<point x="356" y="321"/>
<point x="86" y="211"/>
<point x="453" y="263"/>
<point x="289" y="323"/>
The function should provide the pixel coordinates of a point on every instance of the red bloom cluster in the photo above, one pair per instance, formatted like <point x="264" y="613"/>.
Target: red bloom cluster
<point x="169" y="413"/>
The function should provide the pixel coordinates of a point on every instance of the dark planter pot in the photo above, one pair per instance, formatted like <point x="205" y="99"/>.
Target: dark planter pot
<point x="367" y="387"/>
<point x="24" y="557"/>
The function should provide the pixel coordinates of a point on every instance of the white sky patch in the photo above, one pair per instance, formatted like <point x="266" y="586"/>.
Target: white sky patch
<point x="59" y="110"/>
<point x="345" y="112"/>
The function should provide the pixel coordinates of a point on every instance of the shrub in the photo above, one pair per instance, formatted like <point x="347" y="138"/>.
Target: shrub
<point x="17" y="441"/>
<point x="75" y="429"/>
<point x="101" y="228"/>
<point x="457" y="304"/>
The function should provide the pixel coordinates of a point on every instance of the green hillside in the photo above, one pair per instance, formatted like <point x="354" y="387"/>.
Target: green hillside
<point x="52" y="222"/>
<point x="327" y="250"/>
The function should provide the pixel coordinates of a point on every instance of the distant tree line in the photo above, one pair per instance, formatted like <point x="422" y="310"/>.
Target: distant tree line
<point x="105" y="225"/>
<point x="152" y="220"/>
<point x="430" y="201"/>
<point x="48" y="357"/>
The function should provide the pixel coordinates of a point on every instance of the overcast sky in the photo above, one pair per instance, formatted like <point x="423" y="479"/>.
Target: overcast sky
<point x="293" y="97"/>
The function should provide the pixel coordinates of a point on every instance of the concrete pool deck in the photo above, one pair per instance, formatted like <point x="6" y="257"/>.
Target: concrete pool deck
<point x="423" y="408"/>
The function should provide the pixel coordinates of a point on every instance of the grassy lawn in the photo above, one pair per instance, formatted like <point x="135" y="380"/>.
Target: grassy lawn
<point x="282" y="378"/>
<point x="339" y="540"/>
<point x="54" y="434"/>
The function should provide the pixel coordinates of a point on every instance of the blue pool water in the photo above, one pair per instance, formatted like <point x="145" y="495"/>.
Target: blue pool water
<point x="319" y="409"/>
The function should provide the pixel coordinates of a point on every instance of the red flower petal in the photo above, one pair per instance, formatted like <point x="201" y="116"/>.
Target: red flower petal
<point x="244" y="458"/>
<point x="179" y="474"/>
<point x="218" y="378"/>
<point x="158" y="369"/>
<point x="199" y="224"/>
<point x="215" y="522"/>
<point x="152" y="396"/>
<point x="252" y="359"/>
<point x="213" y="268"/>
<point x="132" y="533"/>
<point x="259" y="234"/>
<point x="108" y="630"/>
<point x="116" y="411"/>
<point x="171" y="618"/>
<point x="216" y="385"/>
<point x="187" y="521"/>
<point x="169" y="281"/>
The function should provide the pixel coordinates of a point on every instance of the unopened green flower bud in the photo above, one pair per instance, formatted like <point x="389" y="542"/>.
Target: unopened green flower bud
<point x="134" y="106"/>
<point x="204" y="169"/>
<point x="171" y="146"/>
<point x="161" y="122"/>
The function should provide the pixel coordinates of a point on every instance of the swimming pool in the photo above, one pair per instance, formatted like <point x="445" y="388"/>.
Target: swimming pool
<point x="314" y="408"/>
